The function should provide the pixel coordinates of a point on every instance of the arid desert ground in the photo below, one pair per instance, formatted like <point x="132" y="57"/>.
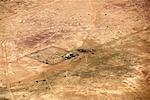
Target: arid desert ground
<point x="74" y="49"/>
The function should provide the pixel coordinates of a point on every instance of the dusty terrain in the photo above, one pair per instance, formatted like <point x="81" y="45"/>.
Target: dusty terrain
<point x="108" y="43"/>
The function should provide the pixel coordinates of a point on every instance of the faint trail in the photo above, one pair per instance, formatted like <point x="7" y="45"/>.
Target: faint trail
<point x="124" y="37"/>
<point x="4" y="53"/>
<point x="47" y="81"/>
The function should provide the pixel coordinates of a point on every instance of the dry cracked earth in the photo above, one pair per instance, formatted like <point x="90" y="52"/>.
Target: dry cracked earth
<point x="74" y="49"/>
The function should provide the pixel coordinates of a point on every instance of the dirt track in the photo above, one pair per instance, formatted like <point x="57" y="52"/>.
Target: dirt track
<point x="34" y="34"/>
